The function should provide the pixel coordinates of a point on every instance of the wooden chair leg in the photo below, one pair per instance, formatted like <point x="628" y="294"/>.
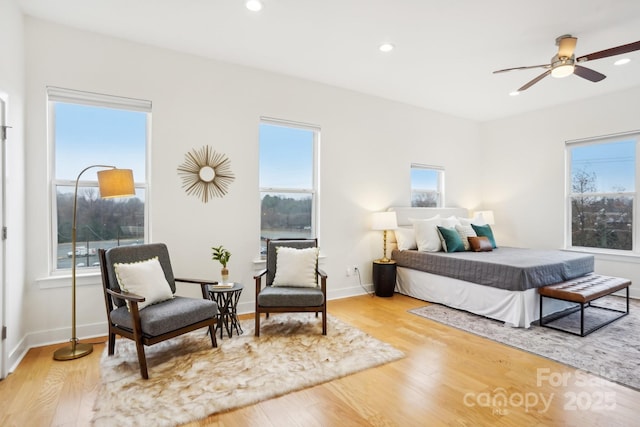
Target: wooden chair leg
<point x="324" y="321"/>
<point x="112" y="343"/>
<point x="142" y="360"/>
<point x="257" y="331"/>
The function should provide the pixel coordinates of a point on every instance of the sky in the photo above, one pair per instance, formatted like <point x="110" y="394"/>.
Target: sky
<point x="424" y="179"/>
<point x="286" y="157"/>
<point x="87" y="135"/>
<point x="613" y="163"/>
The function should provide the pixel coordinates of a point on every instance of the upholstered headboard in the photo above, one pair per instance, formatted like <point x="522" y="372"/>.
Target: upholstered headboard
<point x="404" y="213"/>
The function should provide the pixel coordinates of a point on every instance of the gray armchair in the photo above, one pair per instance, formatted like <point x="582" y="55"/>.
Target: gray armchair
<point x="284" y="299"/>
<point x="157" y="322"/>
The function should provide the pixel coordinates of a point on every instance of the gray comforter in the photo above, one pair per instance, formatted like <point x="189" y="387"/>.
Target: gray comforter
<point x="514" y="269"/>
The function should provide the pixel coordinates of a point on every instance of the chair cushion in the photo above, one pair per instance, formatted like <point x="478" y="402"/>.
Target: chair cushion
<point x="281" y="296"/>
<point x="167" y="316"/>
<point x="144" y="278"/>
<point x="296" y="267"/>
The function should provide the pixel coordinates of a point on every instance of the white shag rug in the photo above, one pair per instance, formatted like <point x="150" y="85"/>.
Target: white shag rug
<point x="190" y="380"/>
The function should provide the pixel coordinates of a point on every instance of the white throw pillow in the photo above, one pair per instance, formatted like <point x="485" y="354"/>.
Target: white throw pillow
<point x="450" y="222"/>
<point x="405" y="238"/>
<point x="465" y="231"/>
<point x="427" y="238"/>
<point x="465" y="221"/>
<point x="144" y="278"/>
<point x="296" y="267"/>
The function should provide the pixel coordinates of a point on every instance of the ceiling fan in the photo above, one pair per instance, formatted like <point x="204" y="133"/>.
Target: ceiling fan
<point x="565" y="63"/>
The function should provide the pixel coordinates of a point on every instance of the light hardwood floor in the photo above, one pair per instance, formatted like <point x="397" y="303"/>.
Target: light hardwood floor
<point x="448" y="377"/>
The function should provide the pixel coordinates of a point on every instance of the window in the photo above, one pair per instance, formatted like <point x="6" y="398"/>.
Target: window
<point x="90" y="129"/>
<point x="602" y="192"/>
<point x="288" y="180"/>
<point x="427" y="186"/>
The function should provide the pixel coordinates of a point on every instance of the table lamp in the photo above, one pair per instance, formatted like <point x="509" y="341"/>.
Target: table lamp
<point x="484" y="216"/>
<point x="384" y="221"/>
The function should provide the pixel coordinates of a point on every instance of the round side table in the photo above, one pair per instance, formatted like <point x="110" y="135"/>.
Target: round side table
<point x="227" y="300"/>
<point x="384" y="278"/>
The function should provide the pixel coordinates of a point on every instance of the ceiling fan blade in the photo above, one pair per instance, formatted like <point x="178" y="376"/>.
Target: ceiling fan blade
<point x="588" y="73"/>
<point x="534" y="81"/>
<point x="566" y="46"/>
<point x="618" y="50"/>
<point x="522" y="68"/>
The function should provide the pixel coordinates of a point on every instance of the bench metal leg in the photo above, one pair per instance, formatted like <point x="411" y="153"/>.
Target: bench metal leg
<point x="545" y="321"/>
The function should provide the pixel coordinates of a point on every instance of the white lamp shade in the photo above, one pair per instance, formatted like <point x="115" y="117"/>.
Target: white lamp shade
<point x="484" y="216"/>
<point x="384" y="221"/>
<point x="116" y="183"/>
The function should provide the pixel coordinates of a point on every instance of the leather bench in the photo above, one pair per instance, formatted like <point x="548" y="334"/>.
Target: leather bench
<point x="583" y="290"/>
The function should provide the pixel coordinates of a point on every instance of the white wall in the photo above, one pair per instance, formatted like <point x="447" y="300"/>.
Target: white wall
<point x="525" y="181"/>
<point x="367" y="146"/>
<point x="12" y="91"/>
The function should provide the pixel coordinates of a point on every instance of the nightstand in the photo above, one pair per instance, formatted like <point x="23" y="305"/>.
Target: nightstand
<point x="384" y="278"/>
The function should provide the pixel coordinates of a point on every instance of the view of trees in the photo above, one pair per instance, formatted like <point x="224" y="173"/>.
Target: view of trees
<point x="424" y="199"/>
<point x="280" y="212"/>
<point x="99" y="219"/>
<point x="599" y="221"/>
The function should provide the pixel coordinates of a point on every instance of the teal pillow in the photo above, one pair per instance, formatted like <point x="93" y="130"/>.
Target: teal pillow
<point x="485" y="230"/>
<point x="451" y="240"/>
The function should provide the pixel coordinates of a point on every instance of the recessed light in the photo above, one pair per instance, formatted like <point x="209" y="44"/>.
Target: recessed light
<point x="254" y="5"/>
<point x="622" y="61"/>
<point x="514" y="93"/>
<point x="386" y="47"/>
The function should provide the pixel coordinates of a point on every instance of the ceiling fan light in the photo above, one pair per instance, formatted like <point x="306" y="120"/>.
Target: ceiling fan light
<point x="562" y="70"/>
<point x="622" y="61"/>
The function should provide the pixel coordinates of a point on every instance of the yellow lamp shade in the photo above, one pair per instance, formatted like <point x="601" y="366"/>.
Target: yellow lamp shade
<point x="116" y="183"/>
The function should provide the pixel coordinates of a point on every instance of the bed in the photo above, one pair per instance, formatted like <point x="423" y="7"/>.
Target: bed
<point x="501" y="284"/>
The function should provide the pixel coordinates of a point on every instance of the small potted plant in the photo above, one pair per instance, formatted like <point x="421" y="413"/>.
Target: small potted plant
<point x="221" y="255"/>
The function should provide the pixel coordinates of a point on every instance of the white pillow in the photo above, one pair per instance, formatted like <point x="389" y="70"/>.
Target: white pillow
<point x="427" y="238"/>
<point x="144" y="278"/>
<point x="465" y="221"/>
<point x="450" y="222"/>
<point x="476" y="220"/>
<point x="405" y="238"/>
<point x="465" y="231"/>
<point x="296" y="267"/>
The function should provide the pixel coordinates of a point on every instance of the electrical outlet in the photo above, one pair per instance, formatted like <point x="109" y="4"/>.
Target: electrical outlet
<point x="352" y="269"/>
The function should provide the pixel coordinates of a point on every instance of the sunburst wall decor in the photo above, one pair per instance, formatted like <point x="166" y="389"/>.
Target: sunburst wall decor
<point x="206" y="173"/>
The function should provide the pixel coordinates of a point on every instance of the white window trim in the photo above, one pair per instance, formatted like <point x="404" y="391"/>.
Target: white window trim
<point x="57" y="94"/>
<point x="601" y="253"/>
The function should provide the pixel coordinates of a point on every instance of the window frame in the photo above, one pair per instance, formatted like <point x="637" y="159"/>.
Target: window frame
<point x="440" y="185"/>
<point x="72" y="96"/>
<point x="569" y="195"/>
<point x="314" y="191"/>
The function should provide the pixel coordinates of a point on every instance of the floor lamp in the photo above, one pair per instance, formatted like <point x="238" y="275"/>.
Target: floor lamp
<point x="112" y="182"/>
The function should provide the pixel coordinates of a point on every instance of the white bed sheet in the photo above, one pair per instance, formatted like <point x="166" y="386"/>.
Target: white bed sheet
<point x="515" y="308"/>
